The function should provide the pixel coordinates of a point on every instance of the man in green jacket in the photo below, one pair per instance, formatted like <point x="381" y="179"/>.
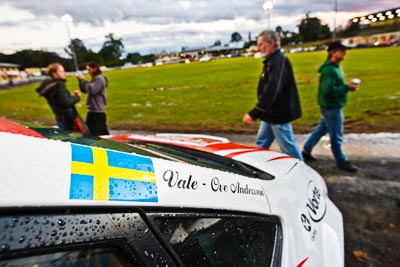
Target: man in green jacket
<point x="332" y="97"/>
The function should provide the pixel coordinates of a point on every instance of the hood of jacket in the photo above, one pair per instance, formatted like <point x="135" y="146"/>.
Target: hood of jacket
<point x="46" y="86"/>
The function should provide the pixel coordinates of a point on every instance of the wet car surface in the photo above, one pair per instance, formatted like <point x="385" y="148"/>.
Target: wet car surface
<point x="73" y="200"/>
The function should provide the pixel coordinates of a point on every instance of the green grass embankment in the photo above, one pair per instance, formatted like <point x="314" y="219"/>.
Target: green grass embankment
<point x="214" y="96"/>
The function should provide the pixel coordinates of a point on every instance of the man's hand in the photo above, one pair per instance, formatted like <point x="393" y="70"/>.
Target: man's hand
<point x="248" y="120"/>
<point x="77" y="93"/>
<point x="353" y="87"/>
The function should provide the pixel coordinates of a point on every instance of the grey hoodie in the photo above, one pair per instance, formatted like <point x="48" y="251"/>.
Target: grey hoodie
<point x="96" y="90"/>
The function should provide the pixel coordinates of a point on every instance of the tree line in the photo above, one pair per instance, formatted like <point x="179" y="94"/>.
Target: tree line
<point x="309" y="29"/>
<point x="109" y="55"/>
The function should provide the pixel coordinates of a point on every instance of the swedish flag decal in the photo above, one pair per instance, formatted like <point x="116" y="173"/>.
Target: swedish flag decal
<point x="100" y="174"/>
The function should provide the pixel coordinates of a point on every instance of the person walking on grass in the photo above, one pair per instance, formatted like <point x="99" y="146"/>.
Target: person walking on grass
<point x="96" y="101"/>
<point x="332" y="97"/>
<point x="278" y="100"/>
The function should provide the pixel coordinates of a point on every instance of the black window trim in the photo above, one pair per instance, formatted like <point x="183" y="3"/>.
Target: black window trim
<point x="278" y="242"/>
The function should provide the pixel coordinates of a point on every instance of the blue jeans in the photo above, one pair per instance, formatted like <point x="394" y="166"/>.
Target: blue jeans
<point x="331" y="122"/>
<point x="59" y="123"/>
<point x="284" y="136"/>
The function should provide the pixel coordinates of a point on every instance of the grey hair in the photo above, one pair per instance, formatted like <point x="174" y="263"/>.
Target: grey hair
<point x="269" y="36"/>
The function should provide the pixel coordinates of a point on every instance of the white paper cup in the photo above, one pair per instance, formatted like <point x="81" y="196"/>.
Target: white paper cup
<point x="356" y="81"/>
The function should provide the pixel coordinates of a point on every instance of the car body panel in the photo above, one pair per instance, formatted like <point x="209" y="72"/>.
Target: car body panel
<point x="167" y="184"/>
<point x="274" y="163"/>
<point x="40" y="172"/>
<point x="297" y="194"/>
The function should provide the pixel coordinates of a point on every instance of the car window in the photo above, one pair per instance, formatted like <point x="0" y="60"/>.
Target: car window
<point x="56" y="235"/>
<point x="221" y="241"/>
<point x="85" y="257"/>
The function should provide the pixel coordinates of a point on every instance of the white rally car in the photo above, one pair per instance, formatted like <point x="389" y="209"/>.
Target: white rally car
<point x="72" y="200"/>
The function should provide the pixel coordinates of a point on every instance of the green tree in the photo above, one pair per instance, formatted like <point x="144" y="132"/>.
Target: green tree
<point x="310" y="29"/>
<point x="83" y="54"/>
<point x="217" y="43"/>
<point x="112" y="48"/>
<point x="148" y="58"/>
<point x="236" y="37"/>
<point x="33" y="58"/>
<point x="133" y="57"/>
<point x="325" y="32"/>
<point x="279" y="30"/>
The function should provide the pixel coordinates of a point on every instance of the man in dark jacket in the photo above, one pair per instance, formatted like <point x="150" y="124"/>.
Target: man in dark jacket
<point x="332" y="97"/>
<point x="278" y="100"/>
<point x="58" y="97"/>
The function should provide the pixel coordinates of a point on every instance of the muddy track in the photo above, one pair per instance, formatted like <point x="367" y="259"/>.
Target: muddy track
<point x="370" y="203"/>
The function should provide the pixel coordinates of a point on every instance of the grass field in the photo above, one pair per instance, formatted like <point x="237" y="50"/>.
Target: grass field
<point x="214" y="96"/>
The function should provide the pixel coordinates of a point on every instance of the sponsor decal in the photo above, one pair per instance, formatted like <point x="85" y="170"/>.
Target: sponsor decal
<point x="175" y="180"/>
<point x="101" y="174"/>
<point x="316" y="207"/>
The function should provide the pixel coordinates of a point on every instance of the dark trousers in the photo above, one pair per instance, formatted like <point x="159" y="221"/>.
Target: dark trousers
<point x="97" y="123"/>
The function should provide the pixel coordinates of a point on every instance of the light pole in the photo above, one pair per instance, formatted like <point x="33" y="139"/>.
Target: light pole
<point x="268" y="5"/>
<point x="334" y="20"/>
<point x="67" y="18"/>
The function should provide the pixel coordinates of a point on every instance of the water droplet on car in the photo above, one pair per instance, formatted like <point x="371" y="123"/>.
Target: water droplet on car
<point x="4" y="247"/>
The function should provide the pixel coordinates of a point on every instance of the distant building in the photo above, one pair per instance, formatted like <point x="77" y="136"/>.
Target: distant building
<point x="378" y="39"/>
<point x="214" y="51"/>
<point x="34" y="72"/>
<point x="379" y="28"/>
<point x="382" y="18"/>
<point x="9" y="73"/>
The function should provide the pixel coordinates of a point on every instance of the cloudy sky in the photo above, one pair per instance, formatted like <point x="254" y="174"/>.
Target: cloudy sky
<point x="149" y="26"/>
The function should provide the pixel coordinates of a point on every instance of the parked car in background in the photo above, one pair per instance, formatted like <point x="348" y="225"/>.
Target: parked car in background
<point x="73" y="200"/>
<point x="205" y="58"/>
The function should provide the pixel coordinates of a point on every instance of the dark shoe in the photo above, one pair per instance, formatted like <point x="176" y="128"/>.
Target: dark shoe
<point x="347" y="166"/>
<point x="308" y="157"/>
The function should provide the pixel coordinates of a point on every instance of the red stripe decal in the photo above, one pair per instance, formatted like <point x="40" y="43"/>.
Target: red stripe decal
<point x="225" y="146"/>
<point x="302" y="263"/>
<point x="281" y="157"/>
<point x="241" y="152"/>
<point x="16" y="128"/>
